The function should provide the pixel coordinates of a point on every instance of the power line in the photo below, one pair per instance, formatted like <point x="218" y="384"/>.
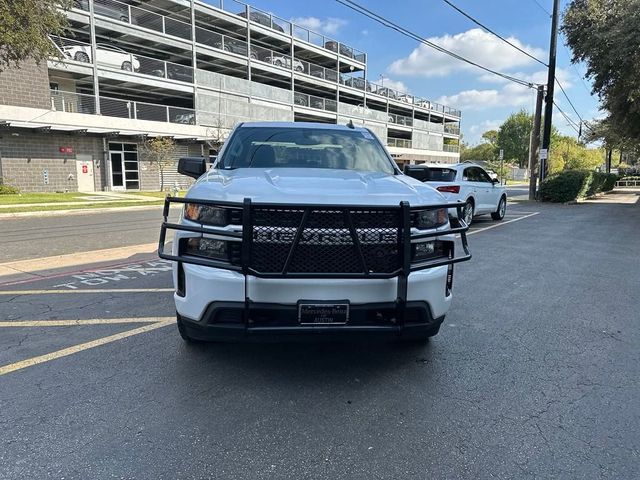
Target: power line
<point x="462" y="12"/>
<point x="542" y="8"/>
<point x="570" y="122"/>
<point x="568" y="99"/>
<point x="394" y="26"/>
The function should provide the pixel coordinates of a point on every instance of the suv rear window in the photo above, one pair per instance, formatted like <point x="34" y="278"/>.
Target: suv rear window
<point x="441" y="175"/>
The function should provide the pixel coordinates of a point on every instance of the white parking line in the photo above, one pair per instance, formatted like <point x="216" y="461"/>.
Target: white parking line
<point x="73" y="323"/>
<point x="30" y="362"/>
<point x="495" y="225"/>
<point x="88" y="290"/>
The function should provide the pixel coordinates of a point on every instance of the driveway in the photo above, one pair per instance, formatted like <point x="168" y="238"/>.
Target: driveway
<point x="534" y="374"/>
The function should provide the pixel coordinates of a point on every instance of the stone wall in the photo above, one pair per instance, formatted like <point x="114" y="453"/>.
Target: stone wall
<point x="25" y="156"/>
<point x="27" y="86"/>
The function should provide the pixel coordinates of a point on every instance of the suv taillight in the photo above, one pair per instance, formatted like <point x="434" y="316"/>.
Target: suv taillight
<point x="449" y="188"/>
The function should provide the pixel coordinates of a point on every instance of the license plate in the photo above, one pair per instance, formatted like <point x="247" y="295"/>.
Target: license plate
<point x="323" y="313"/>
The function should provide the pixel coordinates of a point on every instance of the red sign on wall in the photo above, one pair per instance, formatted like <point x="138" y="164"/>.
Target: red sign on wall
<point x="85" y="169"/>
<point x="65" y="149"/>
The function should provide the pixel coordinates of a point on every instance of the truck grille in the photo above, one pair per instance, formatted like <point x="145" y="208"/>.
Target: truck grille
<point x="325" y="240"/>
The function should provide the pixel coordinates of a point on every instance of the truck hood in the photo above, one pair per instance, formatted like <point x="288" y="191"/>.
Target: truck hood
<point x="312" y="186"/>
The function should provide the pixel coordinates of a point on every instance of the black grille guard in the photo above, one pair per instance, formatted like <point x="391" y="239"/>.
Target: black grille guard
<point x="402" y="224"/>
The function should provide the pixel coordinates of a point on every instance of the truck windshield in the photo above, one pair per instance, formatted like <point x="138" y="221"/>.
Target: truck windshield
<point x="274" y="147"/>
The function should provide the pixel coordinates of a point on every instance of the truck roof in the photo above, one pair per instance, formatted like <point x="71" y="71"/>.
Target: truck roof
<point x="315" y="125"/>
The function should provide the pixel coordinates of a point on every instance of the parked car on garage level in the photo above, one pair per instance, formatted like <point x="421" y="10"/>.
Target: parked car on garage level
<point x="262" y="19"/>
<point x="285" y="62"/>
<point x="467" y="183"/>
<point x="116" y="10"/>
<point x="335" y="46"/>
<point x="108" y="56"/>
<point x="309" y="229"/>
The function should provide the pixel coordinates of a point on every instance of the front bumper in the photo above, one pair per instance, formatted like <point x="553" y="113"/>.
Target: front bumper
<point x="268" y="321"/>
<point x="204" y="285"/>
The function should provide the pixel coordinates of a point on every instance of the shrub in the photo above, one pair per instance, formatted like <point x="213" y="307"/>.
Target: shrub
<point x="8" y="189"/>
<point x="573" y="184"/>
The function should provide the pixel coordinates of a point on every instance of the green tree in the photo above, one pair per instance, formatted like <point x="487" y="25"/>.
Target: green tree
<point x="160" y="151"/>
<point x="491" y="136"/>
<point x="25" y="26"/>
<point x="569" y="154"/>
<point x="604" y="35"/>
<point x="483" y="151"/>
<point x="513" y="138"/>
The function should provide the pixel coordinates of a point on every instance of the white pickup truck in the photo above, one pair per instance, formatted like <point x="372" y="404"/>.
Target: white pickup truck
<point x="309" y="229"/>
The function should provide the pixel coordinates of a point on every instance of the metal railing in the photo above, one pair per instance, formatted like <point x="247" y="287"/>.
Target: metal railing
<point x="400" y="120"/>
<point x="453" y="129"/>
<point x="312" y="101"/>
<point x="356" y="82"/>
<point x="451" y="148"/>
<point x="399" y="142"/>
<point x="628" y="183"/>
<point x="114" y="57"/>
<point x="137" y="16"/>
<point x="319" y="71"/>
<point x="266" y="19"/>
<point x="115" y="107"/>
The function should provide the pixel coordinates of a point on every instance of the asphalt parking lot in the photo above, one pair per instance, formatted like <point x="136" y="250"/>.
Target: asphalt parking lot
<point x="534" y="373"/>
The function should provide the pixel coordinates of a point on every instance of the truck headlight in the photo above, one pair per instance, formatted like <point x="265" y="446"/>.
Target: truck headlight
<point x="205" y="247"/>
<point x="426" y="219"/>
<point x="205" y="214"/>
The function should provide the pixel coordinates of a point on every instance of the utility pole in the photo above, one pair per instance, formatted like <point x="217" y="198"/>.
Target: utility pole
<point x="534" y="145"/>
<point x="551" y="78"/>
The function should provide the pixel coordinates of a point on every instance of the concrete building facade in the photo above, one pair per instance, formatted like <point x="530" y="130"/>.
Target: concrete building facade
<point x="130" y="70"/>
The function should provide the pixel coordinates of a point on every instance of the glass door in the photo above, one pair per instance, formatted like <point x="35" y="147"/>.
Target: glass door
<point x="117" y="171"/>
<point x="124" y="166"/>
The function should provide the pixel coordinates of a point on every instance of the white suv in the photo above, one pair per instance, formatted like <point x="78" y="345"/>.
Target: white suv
<point x="466" y="183"/>
<point x="108" y="56"/>
<point x="309" y="229"/>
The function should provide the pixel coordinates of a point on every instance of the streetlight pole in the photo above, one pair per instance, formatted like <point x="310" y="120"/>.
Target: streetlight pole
<point x="548" y="108"/>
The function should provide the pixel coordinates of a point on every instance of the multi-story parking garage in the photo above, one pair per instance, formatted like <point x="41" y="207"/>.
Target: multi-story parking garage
<point x="128" y="70"/>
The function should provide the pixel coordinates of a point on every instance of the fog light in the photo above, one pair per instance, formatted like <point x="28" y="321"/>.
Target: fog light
<point x="425" y="248"/>
<point x="206" y="247"/>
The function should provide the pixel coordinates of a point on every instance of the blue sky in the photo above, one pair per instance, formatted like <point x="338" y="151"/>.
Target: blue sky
<point x="485" y="100"/>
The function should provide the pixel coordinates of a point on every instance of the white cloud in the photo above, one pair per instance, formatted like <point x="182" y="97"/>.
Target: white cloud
<point x="484" y="126"/>
<point x="393" y="84"/>
<point x="329" y="26"/>
<point x="509" y="94"/>
<point x="475" y="44"/>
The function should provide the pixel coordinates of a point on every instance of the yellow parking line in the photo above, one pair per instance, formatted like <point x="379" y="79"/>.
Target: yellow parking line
<point x="30" y="362"/>
<point x="88" y="290"/>
<point x="72" y="323"/>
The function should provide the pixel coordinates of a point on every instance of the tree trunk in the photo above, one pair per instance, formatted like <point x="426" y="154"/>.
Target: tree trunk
<point x="161" y="179"/>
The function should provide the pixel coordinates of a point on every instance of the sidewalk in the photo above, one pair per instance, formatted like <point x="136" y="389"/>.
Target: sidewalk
<point x="88" y="198"/>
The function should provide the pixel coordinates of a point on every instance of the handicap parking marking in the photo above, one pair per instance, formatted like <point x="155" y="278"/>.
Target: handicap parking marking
<point x="112" y="275"/>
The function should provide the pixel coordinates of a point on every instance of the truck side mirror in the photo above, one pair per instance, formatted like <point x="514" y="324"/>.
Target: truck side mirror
<point x="192" y="166"/>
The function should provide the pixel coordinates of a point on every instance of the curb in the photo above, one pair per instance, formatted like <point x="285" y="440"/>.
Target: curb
<point x="77" y="211"/>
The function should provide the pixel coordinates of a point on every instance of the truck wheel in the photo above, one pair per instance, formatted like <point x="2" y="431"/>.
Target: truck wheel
<point x="183" y="331"/>
<point x="502" y="209"/>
